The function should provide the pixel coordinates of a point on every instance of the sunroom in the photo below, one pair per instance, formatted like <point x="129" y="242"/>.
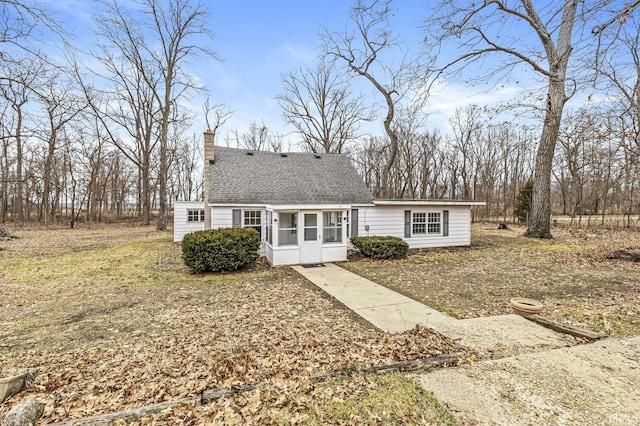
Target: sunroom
<point x="306" y="234"/>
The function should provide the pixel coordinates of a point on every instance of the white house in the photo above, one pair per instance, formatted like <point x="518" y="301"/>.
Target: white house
<point x="306" y="206"/>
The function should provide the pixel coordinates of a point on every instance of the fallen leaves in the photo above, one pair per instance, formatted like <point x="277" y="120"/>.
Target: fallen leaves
<point x="570" y="274"/>
<point x="110" y="329"/>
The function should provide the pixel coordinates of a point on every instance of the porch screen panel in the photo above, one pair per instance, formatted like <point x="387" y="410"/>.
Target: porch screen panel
<point x="332" y="227"/>
<point x="288" y="229"/>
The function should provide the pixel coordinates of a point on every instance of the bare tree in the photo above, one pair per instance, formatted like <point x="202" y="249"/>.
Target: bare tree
<point x="173" y="26"/>
<point x="24" y="26"/>
<point x="361" y="48"/>
<point x="467" y="127"/>
<point x="478" y="26"/>
<point x="319" y="104"/>
<point x="618" y="72"/>
<point x="62" y="104"/>
<point x="149" y="50"/>
<point x="17" y="90"/>
<point x="258" y="137"/>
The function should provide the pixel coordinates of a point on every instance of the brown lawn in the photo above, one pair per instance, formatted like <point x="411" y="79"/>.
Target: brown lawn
<point x="571" y="274"/>
<point x="113" y="320"/>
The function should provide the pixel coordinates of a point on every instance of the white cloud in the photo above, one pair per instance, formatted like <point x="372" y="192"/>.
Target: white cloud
<point x="297" y="54"/>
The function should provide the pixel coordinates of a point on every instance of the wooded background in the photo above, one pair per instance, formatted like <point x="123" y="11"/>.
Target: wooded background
<point x="115" y="141"/>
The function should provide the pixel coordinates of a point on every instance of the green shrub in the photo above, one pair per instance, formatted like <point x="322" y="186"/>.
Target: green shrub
<point x="522" y="206"/>
<point x="225" y="249"/>
<point x="381" y="247"/>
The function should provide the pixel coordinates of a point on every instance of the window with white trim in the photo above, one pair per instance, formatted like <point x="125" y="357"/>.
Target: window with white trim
<point x="288" y="229"/>
<point x="332" y="227"/>
<point x="195" y="215"/>
<point x="426" y="223"/>
<point x="419" y="225"/>
<point x="252" y="219"/>
<point x="433" y="223"/>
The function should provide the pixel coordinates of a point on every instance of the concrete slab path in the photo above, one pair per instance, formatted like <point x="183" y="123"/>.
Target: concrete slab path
<point x="392" y="312"/>
<point x="384" y="308"/>
<point x="594" y="384"/>
<point x="538" y="381"/>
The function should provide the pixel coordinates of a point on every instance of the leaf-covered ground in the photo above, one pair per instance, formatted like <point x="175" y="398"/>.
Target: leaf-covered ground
<point x="112" y="320"/>
<point x="571" y="274"/>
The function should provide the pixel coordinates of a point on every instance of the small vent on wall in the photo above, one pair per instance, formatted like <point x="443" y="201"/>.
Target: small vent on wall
<point x="249" y="153"/>
<point x="283" y="155"/>
<point x="318" y="156"/>
<point x="211" y="162"/>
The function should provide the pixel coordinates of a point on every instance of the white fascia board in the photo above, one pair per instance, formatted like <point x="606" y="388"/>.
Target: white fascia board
<point x="308" y="206"/>
<point x="428" y="203"/>
<point x="188" y="203"/>
<point x="238" y="206"/>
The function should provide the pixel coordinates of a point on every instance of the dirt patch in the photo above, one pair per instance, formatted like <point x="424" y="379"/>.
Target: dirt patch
<point x="592" y="384"/>
<point x="570" y="274"/>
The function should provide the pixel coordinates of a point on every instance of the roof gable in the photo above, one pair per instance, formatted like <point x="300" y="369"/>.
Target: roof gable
<point x="240" y="176"/>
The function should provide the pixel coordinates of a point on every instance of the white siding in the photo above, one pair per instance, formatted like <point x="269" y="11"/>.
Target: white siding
<point x="221" y="217"/>
<point x="286" y="256"/>
<point x="334" y="253"/>
<point x="181" y="226"/>
<point x="389" y="220"/>
<point x="268" y="251"/>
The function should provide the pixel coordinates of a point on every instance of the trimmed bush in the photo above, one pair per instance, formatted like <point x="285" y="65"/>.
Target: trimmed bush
<point x="225" y="249"/>
<point x="381" y="247"/>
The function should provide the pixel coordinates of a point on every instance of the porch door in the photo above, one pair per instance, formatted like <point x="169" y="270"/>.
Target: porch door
<point x="311" y="246"/>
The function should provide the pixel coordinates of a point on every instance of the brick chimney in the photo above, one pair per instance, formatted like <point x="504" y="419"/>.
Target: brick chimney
<point x="209" y="142"/>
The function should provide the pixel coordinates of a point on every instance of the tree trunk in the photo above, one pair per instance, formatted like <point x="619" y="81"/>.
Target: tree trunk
<point x="4" y="188"/>
<point x="558" y="58"/>
<point x="20" y="185"/>
<point x="540" y="217"/>
<point x="48" y="166"/>
<point x="164" y="166"/>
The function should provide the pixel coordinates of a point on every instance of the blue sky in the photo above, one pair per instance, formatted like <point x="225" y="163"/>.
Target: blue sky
<point x="258" y="41"/>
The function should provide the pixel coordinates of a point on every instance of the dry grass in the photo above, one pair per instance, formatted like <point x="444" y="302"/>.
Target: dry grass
<point x="113" y="320"/>
<point x="570" y="274"/>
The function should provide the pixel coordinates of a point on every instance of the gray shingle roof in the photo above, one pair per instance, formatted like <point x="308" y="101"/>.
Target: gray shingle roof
<point x="273" y="178"/>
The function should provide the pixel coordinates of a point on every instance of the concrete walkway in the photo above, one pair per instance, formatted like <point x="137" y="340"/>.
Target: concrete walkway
<point x="392" y="312"/>
<point x="384" y="308"/>
<point x="536" y="378"/>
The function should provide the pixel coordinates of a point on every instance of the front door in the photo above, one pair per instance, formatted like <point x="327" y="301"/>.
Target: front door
<point x="311" y="247"/>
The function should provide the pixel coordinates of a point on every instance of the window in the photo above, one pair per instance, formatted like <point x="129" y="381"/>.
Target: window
<point x="288" y="230"/>
<point x="419" y="223"/>
<point x="269" y="236"/>
<point x="433" y="224"/>
<point x="195" y="215"/>
<point x="310" y="226"/>
<point x="332" y="227"/>
<point x="426" y="223"/>
<point x="252" y="220"/>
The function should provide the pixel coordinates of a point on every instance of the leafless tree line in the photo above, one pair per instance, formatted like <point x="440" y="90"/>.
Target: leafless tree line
<point x="113" y="141"/>
<point x="572" y="48"/>
<point x="82" y="143"/>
